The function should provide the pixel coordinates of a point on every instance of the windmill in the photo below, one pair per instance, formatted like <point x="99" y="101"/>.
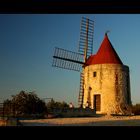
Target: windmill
<point x="76" y="60"/>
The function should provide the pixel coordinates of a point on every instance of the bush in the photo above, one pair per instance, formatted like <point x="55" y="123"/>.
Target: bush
<point x="25" y="103"/>
<point x="52" y="105"/>
<point x="136" y="109"/>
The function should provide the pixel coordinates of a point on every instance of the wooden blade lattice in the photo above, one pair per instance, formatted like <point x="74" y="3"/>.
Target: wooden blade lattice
<point x="86" y="37"/>
<point x="67" y="59"/>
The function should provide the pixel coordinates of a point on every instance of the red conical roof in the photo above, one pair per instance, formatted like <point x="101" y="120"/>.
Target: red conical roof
<point x="105" y="55"/>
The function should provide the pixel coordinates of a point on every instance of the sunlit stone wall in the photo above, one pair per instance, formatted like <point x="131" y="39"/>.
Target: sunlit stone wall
<point x="112" y="83"/>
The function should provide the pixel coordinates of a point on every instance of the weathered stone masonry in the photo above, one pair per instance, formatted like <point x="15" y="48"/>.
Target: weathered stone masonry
<point x="107" y="82"/>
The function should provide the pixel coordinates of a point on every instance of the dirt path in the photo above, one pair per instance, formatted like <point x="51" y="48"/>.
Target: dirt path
<point x="89" y="121"/>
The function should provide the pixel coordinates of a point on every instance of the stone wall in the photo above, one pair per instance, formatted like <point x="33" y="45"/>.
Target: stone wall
<point x="112" y="83"/>
<point x="74" y="112"/>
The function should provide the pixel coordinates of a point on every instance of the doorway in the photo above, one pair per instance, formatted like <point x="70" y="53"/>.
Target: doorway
<point x="97" y="102"/>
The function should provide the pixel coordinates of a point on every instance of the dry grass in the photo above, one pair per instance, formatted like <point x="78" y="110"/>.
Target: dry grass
<point x="9" y="122"/>
<point x="2" y="123"/>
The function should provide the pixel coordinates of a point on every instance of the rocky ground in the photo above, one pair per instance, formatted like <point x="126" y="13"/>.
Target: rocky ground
<point x="86" y="121"/>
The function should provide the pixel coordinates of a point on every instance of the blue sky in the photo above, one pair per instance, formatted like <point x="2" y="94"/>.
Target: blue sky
<point x="27" y="43"/>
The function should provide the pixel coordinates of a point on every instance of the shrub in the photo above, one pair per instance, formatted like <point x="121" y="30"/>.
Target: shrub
<point x="136" y="109"/>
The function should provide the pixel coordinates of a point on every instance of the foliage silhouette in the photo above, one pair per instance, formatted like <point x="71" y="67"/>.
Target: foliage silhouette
<point x="25" y="103"/>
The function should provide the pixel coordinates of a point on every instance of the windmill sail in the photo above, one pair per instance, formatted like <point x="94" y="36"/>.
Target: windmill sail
<point x="67" y="59"/>
<point x="86" y="37"/>
<point x="81" y="91"/>
<point x="73" y="61"/>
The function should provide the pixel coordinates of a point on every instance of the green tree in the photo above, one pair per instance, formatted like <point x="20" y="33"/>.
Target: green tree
<point x="56" y="105"/>
<point x="27" y="103"/>
<point x="8" y="110"/>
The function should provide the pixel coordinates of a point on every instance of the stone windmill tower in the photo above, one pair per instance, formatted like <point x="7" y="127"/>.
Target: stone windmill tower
<point x="104" y="80"/>
<point x="107" y="81"/>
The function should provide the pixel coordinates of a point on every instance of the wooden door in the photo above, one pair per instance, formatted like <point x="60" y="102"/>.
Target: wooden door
<point x="97" y="102"/>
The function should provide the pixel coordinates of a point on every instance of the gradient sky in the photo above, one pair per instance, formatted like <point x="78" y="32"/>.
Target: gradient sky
<point x="27" y="43"/>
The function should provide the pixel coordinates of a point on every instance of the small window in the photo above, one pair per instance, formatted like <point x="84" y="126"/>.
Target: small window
<point x="94" y="74"/>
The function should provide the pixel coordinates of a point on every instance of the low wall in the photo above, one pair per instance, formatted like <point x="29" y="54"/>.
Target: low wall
<point x="73" y="112"/>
